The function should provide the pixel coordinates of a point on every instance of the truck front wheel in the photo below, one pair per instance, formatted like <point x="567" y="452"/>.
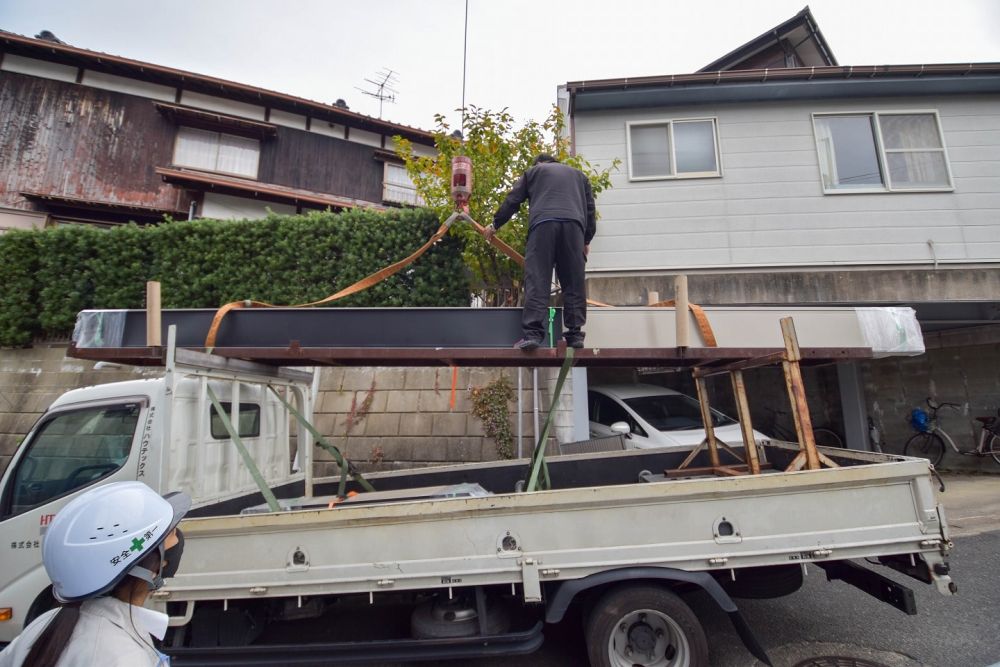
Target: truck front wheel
<point x="647" y="626"/>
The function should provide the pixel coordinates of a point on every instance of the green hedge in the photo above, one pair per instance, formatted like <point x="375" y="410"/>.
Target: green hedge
<point x="48" y="276"/>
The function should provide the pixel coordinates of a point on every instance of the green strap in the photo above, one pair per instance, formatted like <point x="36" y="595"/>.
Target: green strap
<point x="265" y="490"/>
<point x="552" y="320"/>
<point x="344" y="465"/>
<point x="538" y="465"/>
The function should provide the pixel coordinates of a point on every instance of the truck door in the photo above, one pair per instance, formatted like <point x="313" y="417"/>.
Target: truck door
<point x="68" y="451"/>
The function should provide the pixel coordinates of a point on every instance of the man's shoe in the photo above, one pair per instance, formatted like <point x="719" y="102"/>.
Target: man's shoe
<point x="575" y="342"/>
<point x="527" y="344"/>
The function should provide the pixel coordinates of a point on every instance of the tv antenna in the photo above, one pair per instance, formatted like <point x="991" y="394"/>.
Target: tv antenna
<point x="384" y="91"/>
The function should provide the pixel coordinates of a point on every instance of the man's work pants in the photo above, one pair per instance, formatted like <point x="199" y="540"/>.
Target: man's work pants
<point x="559" y="244"/>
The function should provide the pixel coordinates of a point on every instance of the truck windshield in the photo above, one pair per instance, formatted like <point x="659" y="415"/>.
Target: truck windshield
<point x="673" y="412"/>
<point x="70" y="450"/>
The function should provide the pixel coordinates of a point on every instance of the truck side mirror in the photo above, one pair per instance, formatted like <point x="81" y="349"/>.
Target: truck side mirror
<point x="621" y="428"/>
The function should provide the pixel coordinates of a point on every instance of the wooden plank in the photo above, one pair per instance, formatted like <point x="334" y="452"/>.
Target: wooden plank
<point x="706" y="420"/>
<point x="745" y="364"/>
<point x="153" y="312"/>
<point x="797" y="394"/>
<point x="683" y="336"/>
<point x="746" y="426"/>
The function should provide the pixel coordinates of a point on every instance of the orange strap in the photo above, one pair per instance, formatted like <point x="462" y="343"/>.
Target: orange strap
<point x="707" y="335"/>
<point x="362" y="284"/>
<point x="700" y="317"/>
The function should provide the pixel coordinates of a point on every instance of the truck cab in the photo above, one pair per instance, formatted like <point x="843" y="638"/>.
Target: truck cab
<point x="164" y="432"/>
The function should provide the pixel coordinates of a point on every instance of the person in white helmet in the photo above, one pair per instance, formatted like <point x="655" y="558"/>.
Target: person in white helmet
<point x="105" y="551"/>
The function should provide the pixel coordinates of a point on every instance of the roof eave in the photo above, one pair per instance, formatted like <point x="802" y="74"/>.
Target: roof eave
<point x="111" y="64"/>
<point x="786" y="84"/>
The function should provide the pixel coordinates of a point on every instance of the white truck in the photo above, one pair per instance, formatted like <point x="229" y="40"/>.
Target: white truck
<point x="453" y="561"/>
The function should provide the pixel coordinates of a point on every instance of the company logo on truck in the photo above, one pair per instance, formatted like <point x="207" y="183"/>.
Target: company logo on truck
<point x="144" y="444"/>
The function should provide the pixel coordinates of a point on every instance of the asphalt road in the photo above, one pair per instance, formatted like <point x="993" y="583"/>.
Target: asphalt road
<point x="832" y="618"/>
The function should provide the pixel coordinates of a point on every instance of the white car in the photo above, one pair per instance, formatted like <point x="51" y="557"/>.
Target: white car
<point x="653" y="416"/>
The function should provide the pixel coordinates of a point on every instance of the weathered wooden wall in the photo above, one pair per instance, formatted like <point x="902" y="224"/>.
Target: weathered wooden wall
<point x="311" y="161"/>
<point x="69" y="140"/>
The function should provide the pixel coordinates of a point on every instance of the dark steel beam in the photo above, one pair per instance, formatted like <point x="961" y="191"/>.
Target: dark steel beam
<point x="474" y="357"/>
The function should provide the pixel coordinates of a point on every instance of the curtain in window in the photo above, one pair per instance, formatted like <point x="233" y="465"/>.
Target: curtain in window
<point x="196" y="148"/>
<point x="848" y="156"/>
<point x="398" y="186"/>
<point x="213" y="151"/>
<point x="238" y="155"/>
<point x="914" y="152"/>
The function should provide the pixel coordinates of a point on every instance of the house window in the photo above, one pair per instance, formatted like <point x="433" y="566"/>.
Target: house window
<point x="881" y="152"/>
<point x="215" y="151"/>
<point x="398" y="187"/>
<point x="686" y="148"/>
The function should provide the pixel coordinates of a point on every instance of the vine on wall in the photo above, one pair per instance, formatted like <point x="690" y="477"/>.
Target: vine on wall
<point x="490" y="405"/>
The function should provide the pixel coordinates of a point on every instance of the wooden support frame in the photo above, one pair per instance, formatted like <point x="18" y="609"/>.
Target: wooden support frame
<point x="809" y="457"/>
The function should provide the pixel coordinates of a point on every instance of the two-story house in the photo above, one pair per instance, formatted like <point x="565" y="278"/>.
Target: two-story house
<point x="96" y="138"/>
<point x="777" y="176"/>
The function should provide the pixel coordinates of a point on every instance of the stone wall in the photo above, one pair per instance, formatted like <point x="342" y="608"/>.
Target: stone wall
<point x="31" y="379"/>
<point x="968" y="375"/>
<point x="410" y="421"/>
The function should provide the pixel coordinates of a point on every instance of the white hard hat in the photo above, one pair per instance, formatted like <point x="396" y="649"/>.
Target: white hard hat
<point x="103" y="534"/>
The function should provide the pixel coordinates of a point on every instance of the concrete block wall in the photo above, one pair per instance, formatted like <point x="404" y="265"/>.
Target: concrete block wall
<point x="968" y="375"/>
<point x="31" y="379"/>
<point x="409" y="422"/>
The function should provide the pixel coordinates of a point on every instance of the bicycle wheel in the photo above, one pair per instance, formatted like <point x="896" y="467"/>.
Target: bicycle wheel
<point x="993" y="447"/>
<point x="825" y="437"/>
<point x="928" y="446"/>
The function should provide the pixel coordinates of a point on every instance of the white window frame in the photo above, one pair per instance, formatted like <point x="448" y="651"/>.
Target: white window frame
<point x="219" y="134"/>
<point x="417" y="200"/>
<point x="669" y="122"/>
<point x="880" y="151"/>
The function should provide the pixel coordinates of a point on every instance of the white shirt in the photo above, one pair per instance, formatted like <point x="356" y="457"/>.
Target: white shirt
<point x="109" y="633"/>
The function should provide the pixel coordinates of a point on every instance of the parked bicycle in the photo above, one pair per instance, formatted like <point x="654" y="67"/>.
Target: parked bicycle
<point x="929" y="441"/>
<point x="824" y="437"/>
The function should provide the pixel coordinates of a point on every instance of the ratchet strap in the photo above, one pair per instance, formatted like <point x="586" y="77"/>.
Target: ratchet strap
<point x="538" y="474"/>
<point x="346" y="467"/>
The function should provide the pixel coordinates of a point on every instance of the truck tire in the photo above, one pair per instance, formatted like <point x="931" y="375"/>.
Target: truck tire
<point x="644" y="625"/>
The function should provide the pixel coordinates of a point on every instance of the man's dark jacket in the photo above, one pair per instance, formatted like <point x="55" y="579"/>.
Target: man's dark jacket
<point x="555" y="191"/>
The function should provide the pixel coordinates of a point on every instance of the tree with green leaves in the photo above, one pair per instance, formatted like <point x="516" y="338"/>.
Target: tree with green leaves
<point x="500" y="152"/>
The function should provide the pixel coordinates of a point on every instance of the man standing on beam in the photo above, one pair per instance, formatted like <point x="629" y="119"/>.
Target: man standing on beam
<point x="561" y="224"/>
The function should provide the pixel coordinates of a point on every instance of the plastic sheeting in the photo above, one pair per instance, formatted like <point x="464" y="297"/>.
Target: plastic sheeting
<point x="891" y="332"/>
<point x="99" y="328"/>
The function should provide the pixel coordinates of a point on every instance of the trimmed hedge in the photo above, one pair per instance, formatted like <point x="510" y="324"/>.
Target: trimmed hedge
<point x="48" y="276"/>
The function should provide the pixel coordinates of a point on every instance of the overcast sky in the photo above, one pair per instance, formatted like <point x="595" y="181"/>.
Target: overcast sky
<point x="518" y="50"/>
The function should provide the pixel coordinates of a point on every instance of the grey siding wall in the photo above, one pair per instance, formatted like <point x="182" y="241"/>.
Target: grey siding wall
<point x="768" y="208"/>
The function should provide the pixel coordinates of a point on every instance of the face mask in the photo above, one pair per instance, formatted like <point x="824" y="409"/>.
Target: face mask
<point x="172" y="557"/>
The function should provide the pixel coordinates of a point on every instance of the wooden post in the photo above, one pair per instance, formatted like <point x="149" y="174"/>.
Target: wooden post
<point x="153" y="338"/>
<point x="797" y="396"/>
<point x="681" y="310"/>
<point x="743" y="411"/>
<point x="706" y="420"/>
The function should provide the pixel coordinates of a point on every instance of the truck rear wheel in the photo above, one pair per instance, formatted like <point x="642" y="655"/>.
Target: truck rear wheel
<point x="647" y="626"/>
